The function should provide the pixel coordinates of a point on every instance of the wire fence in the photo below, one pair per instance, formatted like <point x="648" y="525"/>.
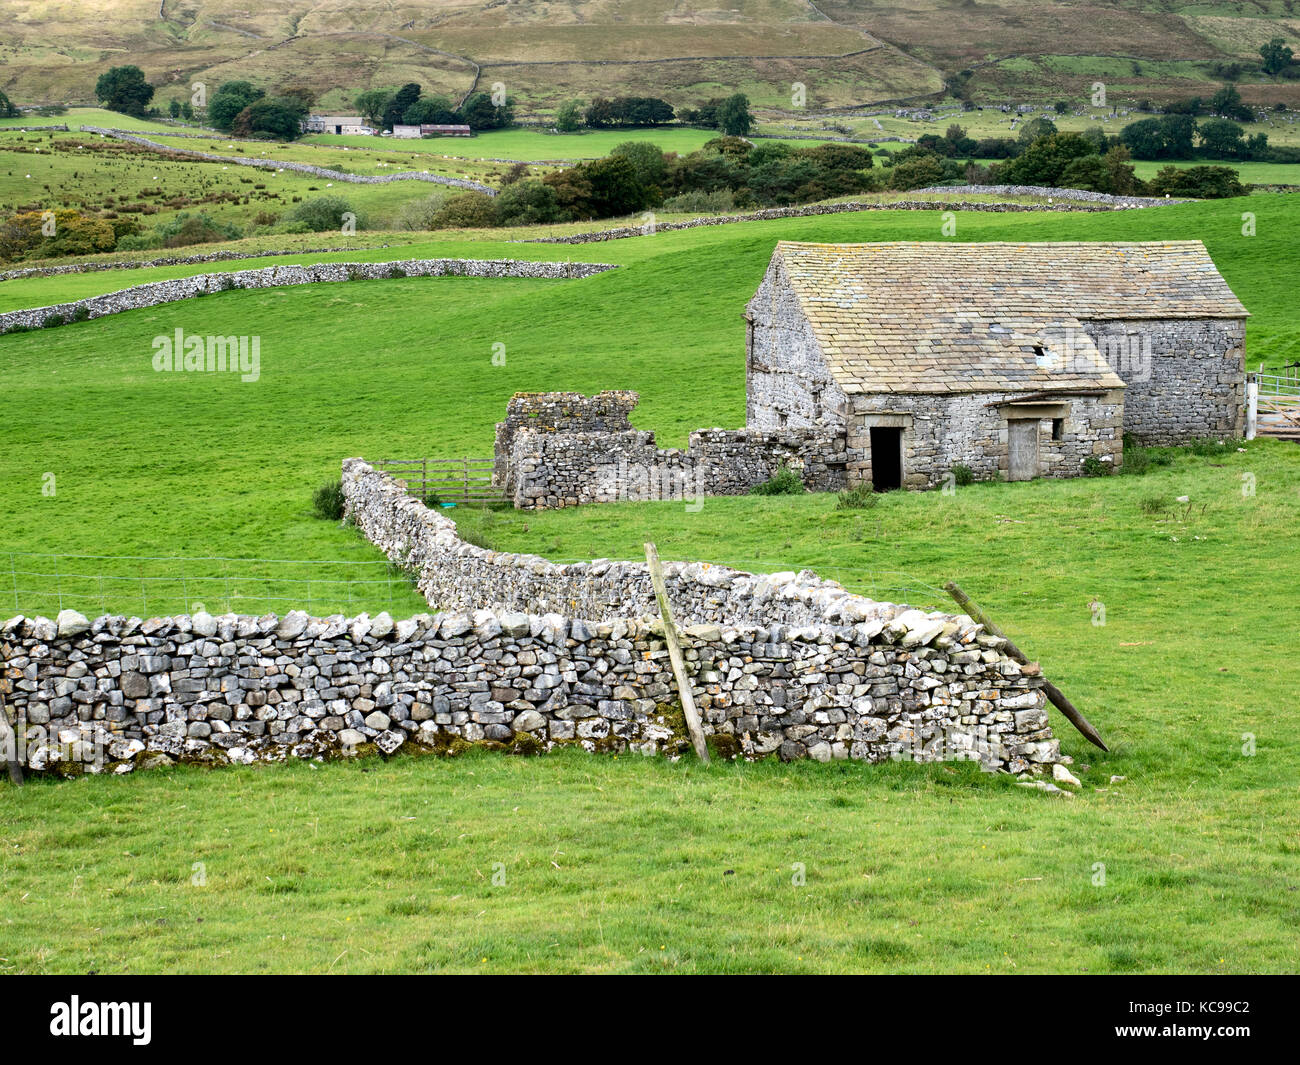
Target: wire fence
<point x="154" y="586"/>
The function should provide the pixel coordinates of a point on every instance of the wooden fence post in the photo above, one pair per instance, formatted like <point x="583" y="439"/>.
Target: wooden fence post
<point x="689" y="711"/>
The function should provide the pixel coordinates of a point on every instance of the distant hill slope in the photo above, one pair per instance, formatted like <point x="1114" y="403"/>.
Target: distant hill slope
<point x="847" y="52"/>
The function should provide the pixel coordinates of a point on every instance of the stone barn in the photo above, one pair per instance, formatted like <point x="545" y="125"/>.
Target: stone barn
<point x="1016" y="360"/>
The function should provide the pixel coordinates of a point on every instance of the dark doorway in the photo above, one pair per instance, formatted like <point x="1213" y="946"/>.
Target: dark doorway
<point x="886" y="458"/>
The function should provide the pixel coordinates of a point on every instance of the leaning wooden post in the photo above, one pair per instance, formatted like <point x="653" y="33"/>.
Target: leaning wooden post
<point x="689" y="711"/>
<point x="1054" y="694"/>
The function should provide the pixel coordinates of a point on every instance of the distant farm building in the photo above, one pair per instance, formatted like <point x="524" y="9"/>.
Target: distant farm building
<point x="406" y="132"/>
<point x="437" y="130"/>
<point x="338" y="124"/>
<point x="1015" y="360"/>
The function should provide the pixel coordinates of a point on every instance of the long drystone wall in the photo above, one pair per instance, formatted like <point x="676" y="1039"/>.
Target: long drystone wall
<point x="812" y="210"/>
<point x="783" y="664"/>
<point x="298" y="168"/>
<point x="559" y="449"/>
<point x="168" y="260"/>
<point x="158" y="292"/>
<point x="1106" y="199"/>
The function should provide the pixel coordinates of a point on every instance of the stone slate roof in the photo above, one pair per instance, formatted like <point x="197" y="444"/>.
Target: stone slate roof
<point x="945" y="317"/>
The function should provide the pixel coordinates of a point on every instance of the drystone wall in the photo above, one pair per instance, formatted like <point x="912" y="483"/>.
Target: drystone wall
<point x="165" y="260"/>
<point x="1184" y="379"/>
<point x="298" y="168"/>
<point x="1077" y="195"/>
<point x="812" y="210"/>
<point x="158" y="292"/>
<point x="559" y="449"/>
<point x="782" y="664"/>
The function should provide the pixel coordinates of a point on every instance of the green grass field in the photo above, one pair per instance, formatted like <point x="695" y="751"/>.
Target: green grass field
<point x="622" y="864"/>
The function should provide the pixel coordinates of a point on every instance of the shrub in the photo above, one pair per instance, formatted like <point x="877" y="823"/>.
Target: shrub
<point x="185" y="229"/>
<point x="785" y="482"/>
<point x="321" y="213"/>
<point x="470" y="210"/>
<point x="963" y="475"/>
<point x="23" y="236"/>
<point x="327" y="502"/>
<point x="526" y="203"/>
<point x="916" y="173"/>
<point x="721" y="200"/>
<point x="1201" y="182"/>
<point x="1094" y="467"/>
<point x="1136" y="462"/>
<point x="419" y="214"/>
<point x="859" y="497"/>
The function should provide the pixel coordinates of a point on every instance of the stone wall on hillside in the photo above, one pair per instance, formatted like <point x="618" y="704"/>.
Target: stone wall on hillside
<point x="1062" y="200"/>
<point x="559" y="449"/>
<point x="155" y="293"/>
<point x="298" y="168"/>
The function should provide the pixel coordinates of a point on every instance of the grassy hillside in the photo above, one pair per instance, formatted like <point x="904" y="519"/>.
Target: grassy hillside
<point x="403" y="368"/>
<point x="632" y="864"/>
<point x="543" y="52"/>
<point x="847" y="52"/>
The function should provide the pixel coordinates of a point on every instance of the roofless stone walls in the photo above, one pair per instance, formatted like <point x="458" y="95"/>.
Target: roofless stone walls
<point x="562" y="449"/>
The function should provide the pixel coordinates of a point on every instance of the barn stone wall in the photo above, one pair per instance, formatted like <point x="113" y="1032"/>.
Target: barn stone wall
<point x="1185" y="378"/>
<point x="787" y="381"/>
<point x="943" y="431"/>
<point x="559" y="449"/>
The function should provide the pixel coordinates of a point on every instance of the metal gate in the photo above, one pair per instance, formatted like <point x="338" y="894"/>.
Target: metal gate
<point x="1273" y="403"/>
<point x="461" y="481"/>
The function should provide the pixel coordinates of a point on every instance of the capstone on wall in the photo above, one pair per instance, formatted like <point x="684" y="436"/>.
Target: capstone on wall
<point x="155" y="293"/>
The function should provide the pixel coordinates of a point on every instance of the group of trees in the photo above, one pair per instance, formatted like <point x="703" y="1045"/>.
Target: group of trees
<point x="241" y="108"/>
<point x="1075" y="161"/>
<point x="30" y="235"/>
<point x="7" y="109"/>
<point x="628" y="111"/>
<point x="727" y="172"/>
<point x="124" y="89"/>
<point x="384" y="109"/>
<point x="730" y="115"/>
<point x="1091" y="160"/>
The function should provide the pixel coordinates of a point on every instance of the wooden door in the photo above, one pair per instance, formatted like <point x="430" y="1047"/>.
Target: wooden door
<point x="1022" y="449"/>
